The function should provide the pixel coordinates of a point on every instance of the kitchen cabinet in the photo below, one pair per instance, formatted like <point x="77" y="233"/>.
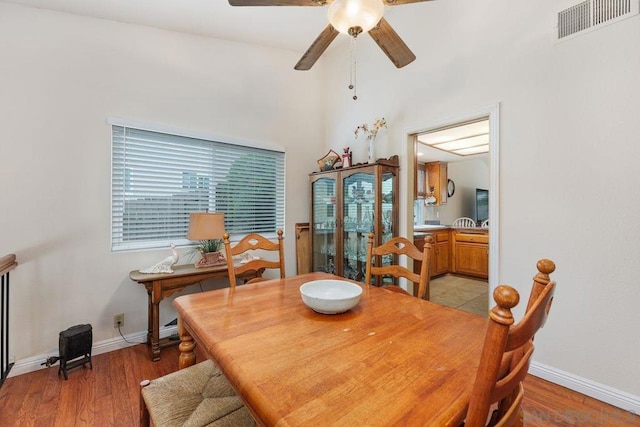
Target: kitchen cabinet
<point x="421" y="181"/>
<point x="437" y="180"/>
<point x="346" y="205"/>
<point x="471" y="252"/>
<point x="439" y="256"/>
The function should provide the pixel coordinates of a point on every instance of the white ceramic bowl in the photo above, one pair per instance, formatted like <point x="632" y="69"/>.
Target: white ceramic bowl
<point x="329" y="296"/>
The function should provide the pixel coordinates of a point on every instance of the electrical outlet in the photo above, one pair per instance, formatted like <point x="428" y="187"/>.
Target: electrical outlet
<point x="118" y="320"/>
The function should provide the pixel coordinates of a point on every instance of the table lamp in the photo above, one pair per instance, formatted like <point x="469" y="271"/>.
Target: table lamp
<point x="208" y="228"/>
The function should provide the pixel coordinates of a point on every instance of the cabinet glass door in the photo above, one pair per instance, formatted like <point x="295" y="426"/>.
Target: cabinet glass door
<point x="358" y="219"/>
<point x="324" y="224"/>
<point x="387" y="212"/>
<point x="388" y="206"/>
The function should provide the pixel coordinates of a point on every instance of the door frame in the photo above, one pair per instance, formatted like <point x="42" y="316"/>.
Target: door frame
<point x="493" y="113"/>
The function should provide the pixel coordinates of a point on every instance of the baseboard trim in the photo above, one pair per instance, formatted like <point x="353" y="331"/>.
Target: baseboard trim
<point x="34" y="363"/>
<point x="604" y="393"/>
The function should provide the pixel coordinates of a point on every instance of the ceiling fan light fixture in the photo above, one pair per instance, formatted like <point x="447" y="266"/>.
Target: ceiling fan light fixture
<point x="346" y="14"/>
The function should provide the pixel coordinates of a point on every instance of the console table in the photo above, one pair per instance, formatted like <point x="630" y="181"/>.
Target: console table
<point x="162" y="285"/>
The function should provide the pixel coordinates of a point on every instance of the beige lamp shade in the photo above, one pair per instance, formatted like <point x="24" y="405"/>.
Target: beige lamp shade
<point x="205" y="226"/>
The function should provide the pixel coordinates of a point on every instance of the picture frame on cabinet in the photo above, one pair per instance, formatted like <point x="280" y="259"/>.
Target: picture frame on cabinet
<point x="328" y="161"/>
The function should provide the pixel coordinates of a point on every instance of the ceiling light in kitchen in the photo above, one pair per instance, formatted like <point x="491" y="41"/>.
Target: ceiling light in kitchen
<point x="465" y="140"/>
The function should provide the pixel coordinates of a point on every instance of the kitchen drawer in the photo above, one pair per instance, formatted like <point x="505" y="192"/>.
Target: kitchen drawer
<point x="474" y="238"/>
<point x="438" y="236"/>
<point x="441" y="236"/>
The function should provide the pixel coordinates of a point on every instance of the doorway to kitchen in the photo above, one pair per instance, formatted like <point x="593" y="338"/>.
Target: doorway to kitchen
<point x="455" y="169"/>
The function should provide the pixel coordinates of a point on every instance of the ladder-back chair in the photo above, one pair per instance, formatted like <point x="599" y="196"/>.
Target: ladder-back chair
<point x="396" y="247"/>
<point x="198" y="396"/>
<point x="507" y="352"/>
<point x="249" y="262"/>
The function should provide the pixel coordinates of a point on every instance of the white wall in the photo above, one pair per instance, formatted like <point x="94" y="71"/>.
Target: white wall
<point x="568" y="155"/>
<point x="61" y="76"/>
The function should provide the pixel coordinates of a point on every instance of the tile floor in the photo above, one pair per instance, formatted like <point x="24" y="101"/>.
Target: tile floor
<point x="462" y="293"/>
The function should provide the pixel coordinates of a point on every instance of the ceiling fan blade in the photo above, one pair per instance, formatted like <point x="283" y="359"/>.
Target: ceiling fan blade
<point x="391" y="44"/>
<point x="316" y="49"/>
<point x="398" y="2"/>
<point x="278" y="2"/>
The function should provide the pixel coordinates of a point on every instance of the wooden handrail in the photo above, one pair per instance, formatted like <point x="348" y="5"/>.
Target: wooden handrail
<point x="7" y="263"/>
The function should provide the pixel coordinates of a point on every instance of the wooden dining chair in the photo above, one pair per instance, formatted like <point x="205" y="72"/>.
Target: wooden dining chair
<point x="245" y="261"/>
<point x="540" y="280"/>
<point x="197" y="396"/>
<point x="396" y="247"/>
<point x="506" y="355"/>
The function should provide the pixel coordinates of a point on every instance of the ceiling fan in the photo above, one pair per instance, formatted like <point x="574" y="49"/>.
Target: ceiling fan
<point x="352" y="17"/>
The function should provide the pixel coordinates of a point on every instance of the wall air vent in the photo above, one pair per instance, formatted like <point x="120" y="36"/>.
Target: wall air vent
<point x="593" y="14"/>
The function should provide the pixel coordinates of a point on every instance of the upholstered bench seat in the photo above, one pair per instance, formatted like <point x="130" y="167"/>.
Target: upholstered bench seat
<point x="196" y="396"/>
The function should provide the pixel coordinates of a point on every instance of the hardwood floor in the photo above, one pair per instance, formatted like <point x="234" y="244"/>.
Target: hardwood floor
<point x="108" y="395"/>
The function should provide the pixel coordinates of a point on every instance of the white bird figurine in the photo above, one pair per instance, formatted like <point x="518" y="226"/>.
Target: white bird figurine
<point x="165" y="265"/>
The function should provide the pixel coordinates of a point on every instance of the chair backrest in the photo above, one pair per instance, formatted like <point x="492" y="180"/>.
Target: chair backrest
<point x="540" y="280"/>
<point x="464" y="222"/>
<point x="485" y="224"/>
<point x="506" y="355"/>
<point x="249" y="262"/>
<point x="400" y="246"/>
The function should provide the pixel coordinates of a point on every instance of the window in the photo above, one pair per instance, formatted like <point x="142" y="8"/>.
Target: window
<point x="159" y="178"/>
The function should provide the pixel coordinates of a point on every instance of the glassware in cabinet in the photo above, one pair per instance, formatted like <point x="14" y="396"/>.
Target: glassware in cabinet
<point x="323" y="232"/>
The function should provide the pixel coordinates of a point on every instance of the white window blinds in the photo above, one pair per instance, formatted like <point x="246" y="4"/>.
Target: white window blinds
<point x="159" y="178"/>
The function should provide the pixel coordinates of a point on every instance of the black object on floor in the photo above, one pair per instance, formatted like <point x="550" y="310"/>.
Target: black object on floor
<point x="75" y="348"/>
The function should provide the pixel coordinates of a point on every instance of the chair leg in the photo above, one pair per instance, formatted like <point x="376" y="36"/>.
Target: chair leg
<point x="144" y="412"/>
<point x="520" y="419"/>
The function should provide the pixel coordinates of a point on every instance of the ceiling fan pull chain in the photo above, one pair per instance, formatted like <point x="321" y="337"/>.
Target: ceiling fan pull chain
<point x="353" y="67"/>
<point x="351" y="64"/>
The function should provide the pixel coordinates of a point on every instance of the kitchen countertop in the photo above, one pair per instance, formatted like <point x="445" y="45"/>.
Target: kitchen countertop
<point x="429" y="227"/>
<point x="420" y="230"/>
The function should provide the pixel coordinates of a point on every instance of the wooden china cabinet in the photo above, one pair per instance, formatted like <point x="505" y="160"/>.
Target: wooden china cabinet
<point x="346" y="205"/>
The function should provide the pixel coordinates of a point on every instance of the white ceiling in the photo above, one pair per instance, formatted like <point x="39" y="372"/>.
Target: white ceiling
<point x="429" y="154"/>
<point x="288" y="27"/>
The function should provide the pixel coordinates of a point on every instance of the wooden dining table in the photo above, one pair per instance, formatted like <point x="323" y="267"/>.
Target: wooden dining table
<point x="392" y="360"/>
